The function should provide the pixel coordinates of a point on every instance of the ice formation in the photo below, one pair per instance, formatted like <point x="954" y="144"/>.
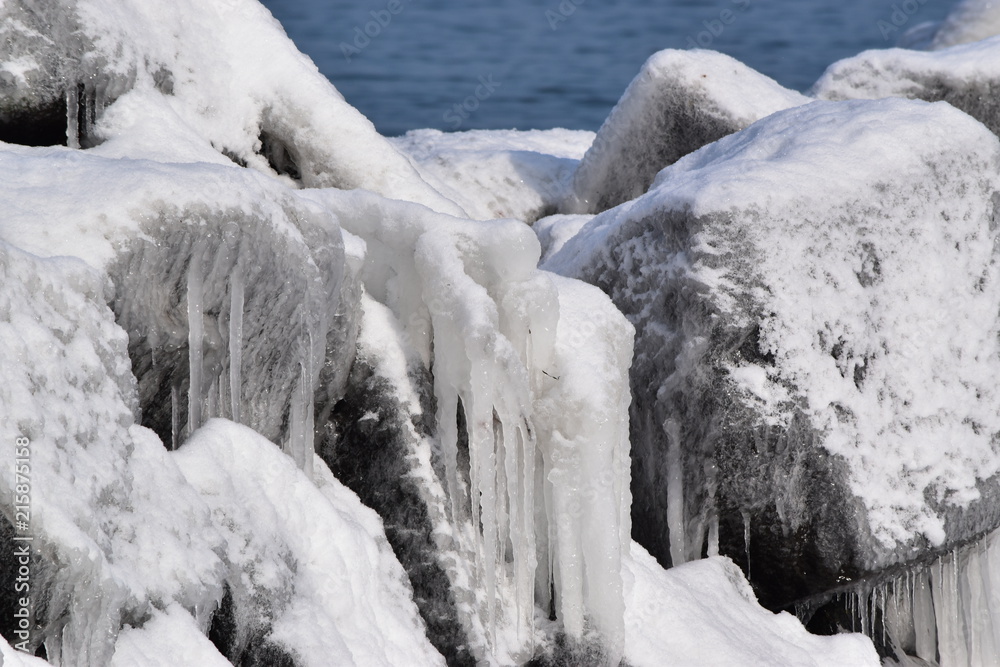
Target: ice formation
<point x="825" y="401"/>
<point x="964" y="76"/>
<point x="679" y="102"/>
<point x="225" y="256"/>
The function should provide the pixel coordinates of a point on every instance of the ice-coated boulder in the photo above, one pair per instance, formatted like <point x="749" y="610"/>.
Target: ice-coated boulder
<point x="815" y="306"/>
<point x="965" y="76"/>
<point x="311" y="575"/>
<point x="679" y="102"/>
<point x="228" y="285"/>
<point x="968" y="21"/>
<point x="499" y="173"/>
<point x="224" y="70"/>
<point x="113" y="530"/>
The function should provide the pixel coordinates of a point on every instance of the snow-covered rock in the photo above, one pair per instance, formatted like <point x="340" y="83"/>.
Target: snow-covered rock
<point x="310" y="567"/>
<point x="965" y="76"/>
<point x="223" y="69"/>
<point x="114" y="529"/>
<point x="969" y="21"/>
<point x="679" y="102"/>
<point x="499" y="173"/>
<point x="705" y="613"/>
<point x="815" y="305"/>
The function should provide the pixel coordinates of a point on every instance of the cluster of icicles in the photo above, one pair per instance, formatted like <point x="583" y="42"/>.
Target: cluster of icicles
<point x="945" y="613"/>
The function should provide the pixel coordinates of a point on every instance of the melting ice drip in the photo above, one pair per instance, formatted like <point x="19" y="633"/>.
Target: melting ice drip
<point x="946" y="613"/>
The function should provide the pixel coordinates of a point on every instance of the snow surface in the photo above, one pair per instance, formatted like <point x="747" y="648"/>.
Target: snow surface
<point x="834" y="205"/>
<point x="705" y="613"/>
<point x="679" y="101"/>
<point x="326" y="577"/>
<point x="171" y="638"/>
<point x="499" y="173"/>
<point x="962" y="75"/>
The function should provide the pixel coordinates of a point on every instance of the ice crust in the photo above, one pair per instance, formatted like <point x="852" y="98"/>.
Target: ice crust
<point x="679" y="102"/>
<point x="966" y="76"/>
<point x="786" y="339"/>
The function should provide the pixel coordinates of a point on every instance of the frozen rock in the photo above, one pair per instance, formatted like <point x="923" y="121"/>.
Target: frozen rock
<point x="379" y="443"/>
<point x="555" y="230"/>
<point x="499" y="173"/>
<point x="310" y="567"/>
<point x="965" y="76"/>
<point x="814" y="300"/>
<point x="679" y="102"/>
<point x="226" y="69"/>
<point x="969" y="21"/>
<point x="115" y="531"/>
<point x="228" y="284"/>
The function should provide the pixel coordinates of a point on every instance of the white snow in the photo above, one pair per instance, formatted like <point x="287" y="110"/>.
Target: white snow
<point x="170" y="638"/>
<point x="499" y="173"/>
<point x="903" y="73"/>
<point x="705" y="613"/>
<point x="313" y="553"/>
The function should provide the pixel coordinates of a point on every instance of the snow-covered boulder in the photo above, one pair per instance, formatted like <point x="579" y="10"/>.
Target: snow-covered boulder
<point x="228" y="285"/>
<point x="310" y="570"/>
<point x="225" y="70"/>
<point x="968" y="21"/>
<point x="113" y="530"/>
<point x="499" y="173"/>
<point x="679" y="102"/>
<point x="815" y="300"/>
<point x="966" y="76"/>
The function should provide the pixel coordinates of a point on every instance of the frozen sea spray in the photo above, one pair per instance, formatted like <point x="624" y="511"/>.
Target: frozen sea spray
<point x="815" y="305"/>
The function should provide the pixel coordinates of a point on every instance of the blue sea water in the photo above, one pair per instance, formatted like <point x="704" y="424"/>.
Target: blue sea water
<point x="562" y="63"/>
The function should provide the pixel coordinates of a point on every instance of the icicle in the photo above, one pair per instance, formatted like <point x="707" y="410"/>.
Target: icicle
<point x="236" y="342"/>
<point x="175" y="417"/>
<point x="675" y="493"/>
<point x="72" y="116"/>
<point x="712" y="546"/>
<point x="746" y="537"/>
<point x="196" y="335"/>
<point x="924" y="618"/>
